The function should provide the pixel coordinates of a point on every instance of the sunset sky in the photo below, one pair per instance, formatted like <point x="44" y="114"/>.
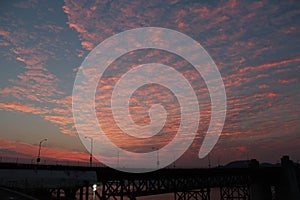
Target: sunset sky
<point x="255" y="45"/>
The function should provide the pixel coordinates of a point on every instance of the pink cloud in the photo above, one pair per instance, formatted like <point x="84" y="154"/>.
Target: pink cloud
<point x="287" y="81"/>
<point x="29" y="150"/>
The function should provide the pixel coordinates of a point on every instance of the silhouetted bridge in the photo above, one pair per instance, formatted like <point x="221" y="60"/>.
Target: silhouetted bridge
<point x="280" y="182"/>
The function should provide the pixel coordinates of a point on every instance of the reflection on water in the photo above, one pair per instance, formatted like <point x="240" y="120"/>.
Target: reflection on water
<point x="214" y="195"/>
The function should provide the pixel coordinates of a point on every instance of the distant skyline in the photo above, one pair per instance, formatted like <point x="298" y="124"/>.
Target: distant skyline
<point x="255" y="45"/>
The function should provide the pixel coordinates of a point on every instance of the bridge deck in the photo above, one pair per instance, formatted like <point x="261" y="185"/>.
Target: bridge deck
<point x="112" y="183"/>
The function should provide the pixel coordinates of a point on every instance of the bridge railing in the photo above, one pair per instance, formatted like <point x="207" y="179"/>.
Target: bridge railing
<point x="47" y="161"/>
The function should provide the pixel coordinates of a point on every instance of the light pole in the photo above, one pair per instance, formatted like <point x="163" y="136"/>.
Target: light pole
<point x="174" y="160"/>
<point x="91" y="152"/>
<point x="39" y="154"/>
<point x="118" y="161"/>
<point x="157" y="156"/>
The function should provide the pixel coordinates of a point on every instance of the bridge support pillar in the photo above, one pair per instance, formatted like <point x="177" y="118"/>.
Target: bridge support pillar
<point x="81" y="193"/>
<point x="260" y="189"/>
<point x="87" y="192"/>
<point x="200" y="194"/>
<point x="288" y="188"/>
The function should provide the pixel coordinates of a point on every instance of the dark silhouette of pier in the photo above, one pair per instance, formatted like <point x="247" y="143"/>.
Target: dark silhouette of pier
<point x="253" y="182"/>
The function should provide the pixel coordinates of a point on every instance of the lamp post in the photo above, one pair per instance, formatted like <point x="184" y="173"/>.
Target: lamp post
<point x="39" y="154"/>
<point x="157" y="156"/>
<point x="118" y="161"/>
<point x="91" y="152"/>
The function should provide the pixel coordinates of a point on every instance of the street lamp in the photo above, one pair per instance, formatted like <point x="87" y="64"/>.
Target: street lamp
<point x="39" y="154"/>
<point x="157" y="156"/>
<point x="118" y="161"/>
<point x="91" y="152"/>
